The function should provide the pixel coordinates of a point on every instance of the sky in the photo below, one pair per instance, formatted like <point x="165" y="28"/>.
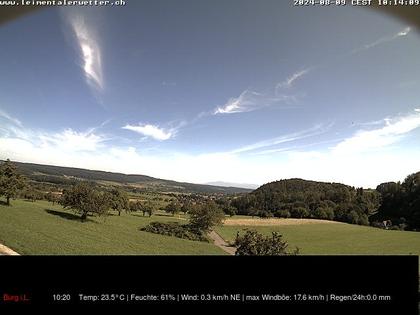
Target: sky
<point x="201" y="91"/>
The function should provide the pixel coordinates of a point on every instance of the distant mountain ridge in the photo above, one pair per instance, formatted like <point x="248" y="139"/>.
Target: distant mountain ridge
<point x="229" y="184"/>
<point x="66" y="175"/>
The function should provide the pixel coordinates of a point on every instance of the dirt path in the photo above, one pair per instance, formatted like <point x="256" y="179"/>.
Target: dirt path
<point x="4" y="250"/>
<point x="220" y="242"/>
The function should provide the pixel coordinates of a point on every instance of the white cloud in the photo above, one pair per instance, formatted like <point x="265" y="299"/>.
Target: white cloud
<point x="288" y="83"/>
<point x="11" y="119"/>
<point x="382" y="40"/>
<point x="90" y="51"/>
<point x="246" y="102"/>
<point x="70" y="140"/>
<point x="392" y="131"/>
<point x="152" y="131"/>
<point x="314" y="131"/>
<point x="352" y="161"/>
<point x="249" y="101"/>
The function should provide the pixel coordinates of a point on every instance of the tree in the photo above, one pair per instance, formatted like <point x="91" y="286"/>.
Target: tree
<point x="119" y="200"/>
<point x="253" y="243"/>
<point x="187" y="206"/>
<point x="283" y="213"/>
<point x="10" y="181"/>
<point x="149" y="208"/>
<point x="299" y="212"/>
<point x="204" y="217"/>
<point x="85" y="199"/>
<point x="52" y="197"/>
<point x="173" y="207"/>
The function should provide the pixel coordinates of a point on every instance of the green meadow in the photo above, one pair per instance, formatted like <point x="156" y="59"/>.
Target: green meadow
<point x="38" y="228"/>
<point x="337" y="238"/>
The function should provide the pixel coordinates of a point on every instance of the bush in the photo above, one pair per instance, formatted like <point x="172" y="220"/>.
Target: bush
<point x="184" y="231"/>
<point x="253" y="243"/>
<point x="283" y="213"/>
<point x="299" y="212"/>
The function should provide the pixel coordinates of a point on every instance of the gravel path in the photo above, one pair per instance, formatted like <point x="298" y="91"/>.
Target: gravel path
<point x="221" y="243"/>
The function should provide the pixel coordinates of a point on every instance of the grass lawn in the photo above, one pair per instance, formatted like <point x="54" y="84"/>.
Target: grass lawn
<point x="40" y="228"/>
<point x="338" y="238"/>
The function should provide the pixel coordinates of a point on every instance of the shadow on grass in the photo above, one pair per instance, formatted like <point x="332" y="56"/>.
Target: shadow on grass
<point x="3" y="203"/>
<point x="66" y="215"/>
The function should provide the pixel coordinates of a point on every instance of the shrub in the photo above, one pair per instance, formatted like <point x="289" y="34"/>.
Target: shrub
<point x="184" y="231"/>
<point x="283" y="213"/>
<point x="253" y="243"/>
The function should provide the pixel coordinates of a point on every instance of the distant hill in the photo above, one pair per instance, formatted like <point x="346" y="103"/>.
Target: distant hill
<point x="299" y="198"/>
<point x="66" y="175"/>
<point x="228" y="184"/>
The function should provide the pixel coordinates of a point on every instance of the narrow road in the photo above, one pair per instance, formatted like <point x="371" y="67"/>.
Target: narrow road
<point x="220" y="242"/>
<point x="4" y="250"/>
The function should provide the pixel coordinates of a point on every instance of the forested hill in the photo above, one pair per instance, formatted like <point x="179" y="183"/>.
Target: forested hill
<point x="398" y="203"/>
<point x="67" y="175"/>
<point x="401" y="202"/>
<point x="310" y="199"/>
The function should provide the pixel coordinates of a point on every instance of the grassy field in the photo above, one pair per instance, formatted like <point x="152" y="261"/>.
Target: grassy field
<point x="40" y="228"/>
<point x="337" y="238"/>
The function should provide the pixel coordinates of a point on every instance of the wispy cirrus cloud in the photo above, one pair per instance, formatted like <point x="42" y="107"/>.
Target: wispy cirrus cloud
<point x="152" y="131"/>
<point x="288" y="83"/>
<point x="382" y="40"/>
<point x="90" y="50"/>
<point x="249" y="101"/>
<point x="392" y="131"/>
<point x="246" y="102"/>
<point x="9" y="118"/>
<point x="314" y="131"/>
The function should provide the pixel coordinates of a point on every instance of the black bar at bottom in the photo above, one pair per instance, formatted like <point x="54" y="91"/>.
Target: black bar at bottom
<point x="384" y="284"/>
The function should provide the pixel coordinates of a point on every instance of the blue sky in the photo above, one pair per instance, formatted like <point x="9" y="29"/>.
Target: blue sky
<point x="201" y="91"/>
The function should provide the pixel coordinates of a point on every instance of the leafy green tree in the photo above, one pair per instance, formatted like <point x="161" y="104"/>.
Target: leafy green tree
<point x="149" y="207"/>
<point x="186" y="206"/>
<point x="85" y="199"/>
<point x="253" y="243"/>
<point x="10" y="181"/>
<point x="173" y="207"/>
<point x="206" y="216"/>
<point x="353" y="217"/>
<point x="230" y="210"/>
<point x="119" y="200"/>
<point x="283" y="213"/>
<point x="299" y="212"/>
<point x="52" y="197"/>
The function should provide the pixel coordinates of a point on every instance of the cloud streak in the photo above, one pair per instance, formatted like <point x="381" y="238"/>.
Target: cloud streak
<point x="9" y="118"/>
<point x="382" y="40"/>
<point x="249" y="101"/>
<point x="314" y="131"/>
<point x="392" y="131"/>
<point x="152" y="131"/>
<point x="90" y="51"/>
<point x="288" y="83"/>
<point x="246" y="102"/>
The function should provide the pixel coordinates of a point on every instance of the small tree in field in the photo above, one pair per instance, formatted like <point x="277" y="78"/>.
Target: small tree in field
<point x="173" y="207"/>
<point x="253" y="243"/>
<point x="204" y="217"/>
<point x="10" y="181"/>
<point x="119" y="200"/>
<point x="149" y="208"/>
<point x="85" y="199"/>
